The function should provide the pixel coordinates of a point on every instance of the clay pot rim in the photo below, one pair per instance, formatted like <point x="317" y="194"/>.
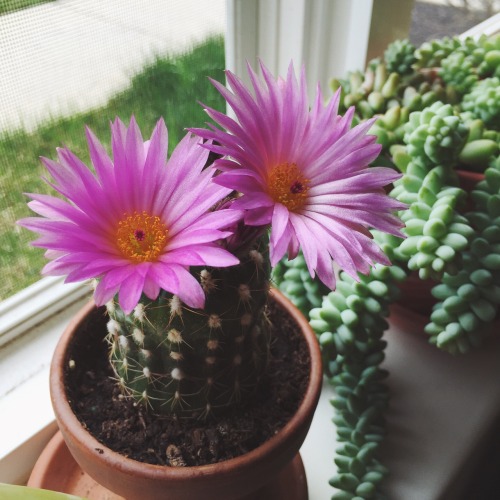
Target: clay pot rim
<point x="271" y="448"/>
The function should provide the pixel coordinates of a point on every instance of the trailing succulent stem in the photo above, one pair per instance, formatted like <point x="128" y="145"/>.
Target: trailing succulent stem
<point x="293" y="279"/>
<point x="196" y="362"/>
<point x="350" y="322"/>
<point x="436" y="232"/>
<point x="470" y="298"/>
<point x="453" y="248"/>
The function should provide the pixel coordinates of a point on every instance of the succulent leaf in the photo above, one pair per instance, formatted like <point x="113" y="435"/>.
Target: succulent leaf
<point x="400" y="56"/>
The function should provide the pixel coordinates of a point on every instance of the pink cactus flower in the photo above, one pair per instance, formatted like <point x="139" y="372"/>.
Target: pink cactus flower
<point x="139" y="222"/>
<point x="303" y="171"/>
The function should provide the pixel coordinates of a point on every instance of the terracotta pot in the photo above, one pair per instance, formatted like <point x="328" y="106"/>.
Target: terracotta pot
<point x="240" y="477"/>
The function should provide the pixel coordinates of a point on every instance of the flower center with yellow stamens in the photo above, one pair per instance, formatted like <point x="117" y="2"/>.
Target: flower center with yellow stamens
<point x="288" y="186"/>
<point x="141" y="237"/>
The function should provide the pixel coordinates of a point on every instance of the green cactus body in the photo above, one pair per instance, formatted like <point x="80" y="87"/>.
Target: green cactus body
<point x="192" y="362"/>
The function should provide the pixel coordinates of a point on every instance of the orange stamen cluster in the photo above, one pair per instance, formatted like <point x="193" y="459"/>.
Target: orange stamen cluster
<point x="141" y="237"/>
<point x="288" y="186"/>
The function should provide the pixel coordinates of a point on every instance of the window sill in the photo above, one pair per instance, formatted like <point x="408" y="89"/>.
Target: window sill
<point x="26" y="417"/>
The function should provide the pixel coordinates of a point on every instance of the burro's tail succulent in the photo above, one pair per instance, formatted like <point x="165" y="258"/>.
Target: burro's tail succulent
<point x="196" y="362"/>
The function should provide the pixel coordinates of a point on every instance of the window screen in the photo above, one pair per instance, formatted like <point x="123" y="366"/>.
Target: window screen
<point x="69" y="63"/>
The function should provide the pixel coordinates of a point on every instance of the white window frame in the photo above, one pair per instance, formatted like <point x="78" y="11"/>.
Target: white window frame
<point x="34" y="304"/>
<point x="328" y="37"/>
<point x="489" y="27"/>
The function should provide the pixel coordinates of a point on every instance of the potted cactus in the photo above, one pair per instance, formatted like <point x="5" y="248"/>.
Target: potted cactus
<point x="438" y="110"/>
<point x="181" y="253"/>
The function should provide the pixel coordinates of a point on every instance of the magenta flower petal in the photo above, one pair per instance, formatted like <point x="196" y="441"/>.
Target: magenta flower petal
<point x="190" y="292"/>
<point x="324" y="270"/>
<point x="151" y="289"/>
<point x="196" y="237"/>
<point x="280" y="223"/>
<point x="259" y="216"/>
<point x="51" y="207"/>
<point x="303" y="171"/>
<point x="256" y="201"/>
<point x="309" y="245"/>
<point x="182" y="283"/>
<point x="102" y="163"/>
<point x="102" y="295"/>
<point x="240" y="180"/>
<point x="370" y="177"/>
<point x="130" y="292"/>
<point x="139" y="222"/>
<point x="200" y="256"/>
<point x="55" y="268"/>
<point x="281" y="246"/>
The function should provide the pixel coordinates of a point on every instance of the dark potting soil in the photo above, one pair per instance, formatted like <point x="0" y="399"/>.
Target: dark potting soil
<point x="133" y="431"/>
